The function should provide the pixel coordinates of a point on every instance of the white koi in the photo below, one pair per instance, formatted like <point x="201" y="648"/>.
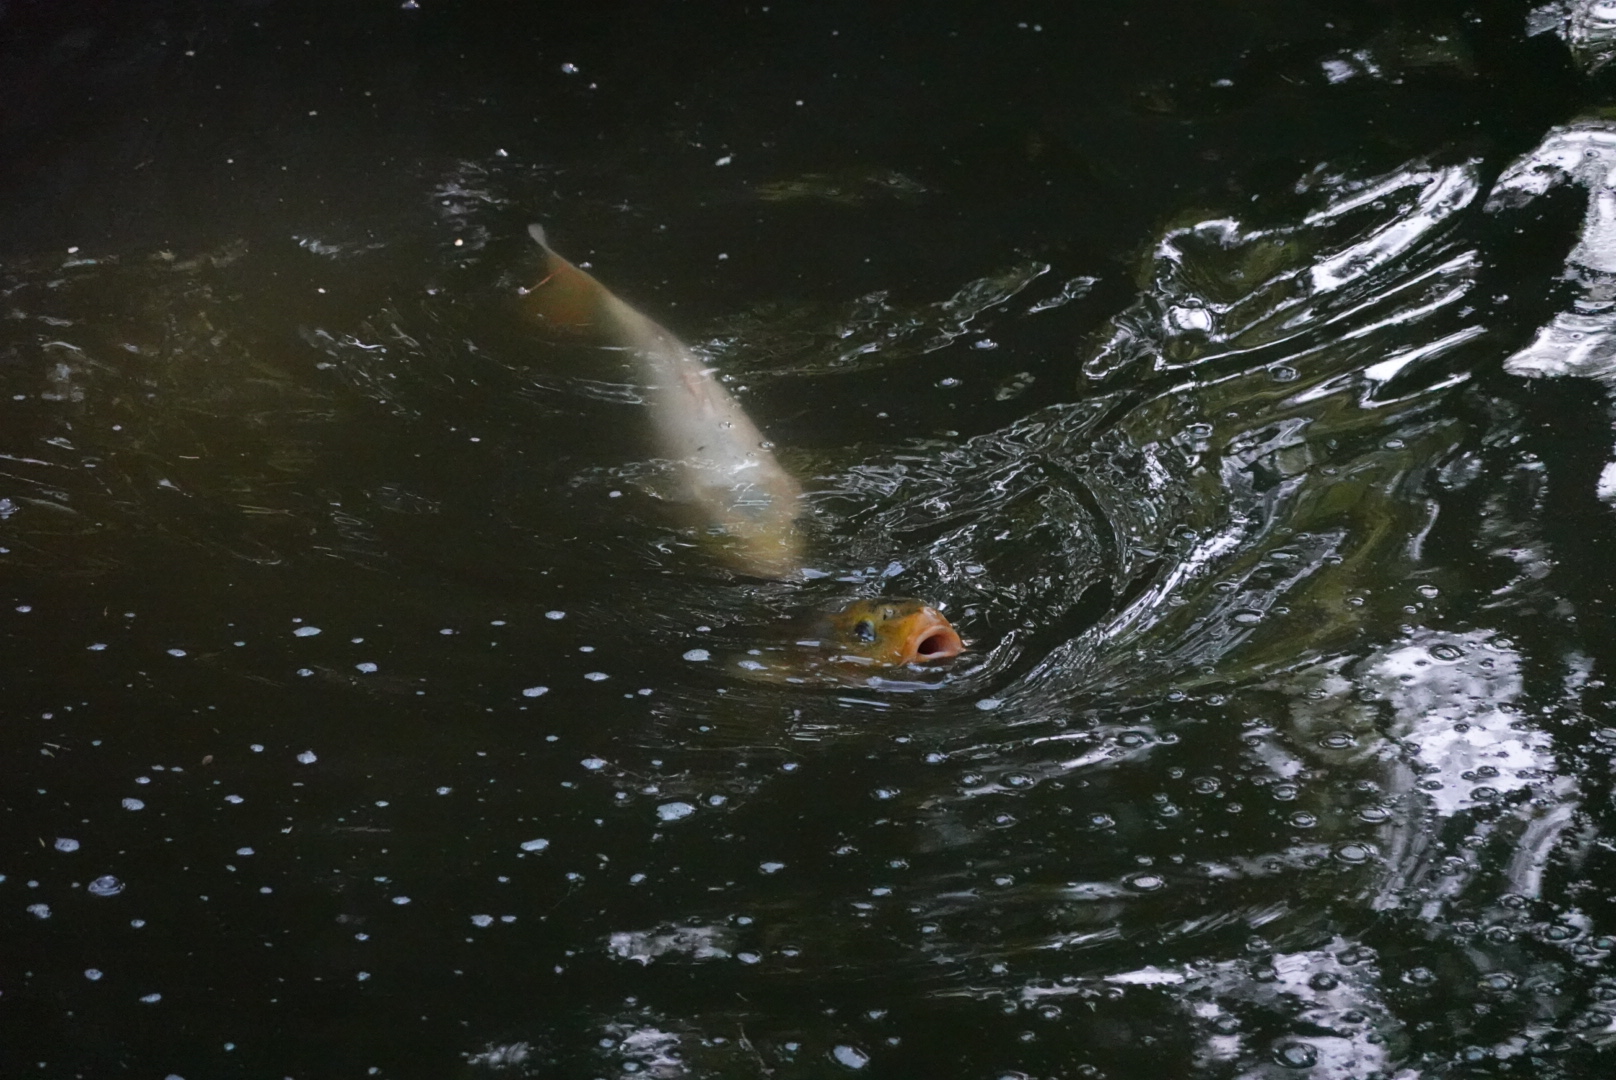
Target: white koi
<point x="723" y="464"/>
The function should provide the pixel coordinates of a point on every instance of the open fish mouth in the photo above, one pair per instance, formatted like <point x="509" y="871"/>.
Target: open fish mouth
<point x="931" y="640"/>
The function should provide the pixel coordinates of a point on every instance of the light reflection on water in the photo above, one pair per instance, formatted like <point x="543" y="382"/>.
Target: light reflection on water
<point x="363" y="675"/>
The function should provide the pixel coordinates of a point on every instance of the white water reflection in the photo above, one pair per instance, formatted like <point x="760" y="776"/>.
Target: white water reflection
<point x="1343" y="1029"/>
<point x="1329" y="997"/>
<point x="1581" y="340"/>
<point x="1459" y="738"/>
<point x="1457" y="699"/>
<point x="1438" y="725"/>
<point x="1588" y="28"/>
<point x="690" y="942"/>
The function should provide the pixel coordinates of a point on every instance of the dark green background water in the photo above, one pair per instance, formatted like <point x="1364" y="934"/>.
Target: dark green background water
<point x="1161" y="343"/>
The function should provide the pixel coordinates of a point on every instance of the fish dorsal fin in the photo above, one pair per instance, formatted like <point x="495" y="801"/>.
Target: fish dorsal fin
<point x="566" y="298"/>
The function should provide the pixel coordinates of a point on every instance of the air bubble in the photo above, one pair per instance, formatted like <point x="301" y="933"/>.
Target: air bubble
<point x="1296" y="1055"/>
<point x="850" y="1056"/>
<point x="1353" y="854"/>
<point x="105" y="885"/>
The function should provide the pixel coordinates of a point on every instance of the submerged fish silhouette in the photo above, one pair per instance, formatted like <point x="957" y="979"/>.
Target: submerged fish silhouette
<point x="722" y="462"/>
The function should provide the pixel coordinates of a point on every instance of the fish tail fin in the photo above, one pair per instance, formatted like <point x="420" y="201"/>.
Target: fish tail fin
<point x="565" y="298"/>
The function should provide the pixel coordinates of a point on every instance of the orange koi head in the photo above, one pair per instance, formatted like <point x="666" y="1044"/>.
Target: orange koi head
<point x="892" y="633"/>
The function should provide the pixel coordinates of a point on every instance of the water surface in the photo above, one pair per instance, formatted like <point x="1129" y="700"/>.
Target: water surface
<point x="368" y="712"/>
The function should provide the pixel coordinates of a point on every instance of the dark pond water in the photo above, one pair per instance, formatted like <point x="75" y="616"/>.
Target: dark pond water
<point x="366" y="714"/>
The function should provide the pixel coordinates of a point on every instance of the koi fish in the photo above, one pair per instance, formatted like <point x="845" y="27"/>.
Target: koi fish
<point x="726" y="471"/>
<point x="892" y="633"/>
<point x="854" y="645"/>
<point x="723" y="465"/>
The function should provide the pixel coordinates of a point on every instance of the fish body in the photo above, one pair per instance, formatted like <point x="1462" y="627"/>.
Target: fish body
<point x="723" y="465"/>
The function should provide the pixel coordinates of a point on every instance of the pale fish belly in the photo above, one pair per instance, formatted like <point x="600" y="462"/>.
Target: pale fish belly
<point x="723" y="465"/>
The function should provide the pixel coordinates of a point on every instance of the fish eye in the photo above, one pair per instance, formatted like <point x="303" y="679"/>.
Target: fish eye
<point x="864" y="630"/>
